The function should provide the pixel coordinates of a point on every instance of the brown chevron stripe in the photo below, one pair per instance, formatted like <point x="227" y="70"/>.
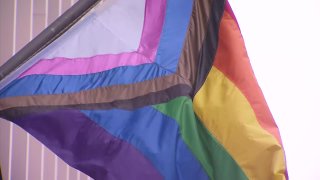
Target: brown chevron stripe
<point x="196" y="33"/>
<point x="201" y="42"/>
<point x="95" y="96"/>
<point x="210" y="44"/>
<point x="129" y="104"/>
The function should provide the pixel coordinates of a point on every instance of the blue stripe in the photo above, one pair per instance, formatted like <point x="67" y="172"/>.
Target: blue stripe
<point x="55" y="84"/>
<point x="178" y="13"/>
<point x="176" y="23"/>
<point x="154" y="135"/>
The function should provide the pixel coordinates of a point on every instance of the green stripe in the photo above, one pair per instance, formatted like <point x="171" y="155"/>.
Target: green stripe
<point x="214" y="158"/>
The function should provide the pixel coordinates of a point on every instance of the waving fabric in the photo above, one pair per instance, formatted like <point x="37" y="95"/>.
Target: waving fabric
<point x="150" y="90"/>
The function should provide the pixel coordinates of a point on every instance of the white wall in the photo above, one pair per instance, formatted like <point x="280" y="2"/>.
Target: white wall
<point x="22" y="157"/>
<point x="283" y="43"/>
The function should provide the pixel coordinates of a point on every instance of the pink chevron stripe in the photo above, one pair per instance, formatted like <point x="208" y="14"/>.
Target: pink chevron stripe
<point x="65" y="66"/>
<point x="153" y="22"/>
<point x="154" y="19"/>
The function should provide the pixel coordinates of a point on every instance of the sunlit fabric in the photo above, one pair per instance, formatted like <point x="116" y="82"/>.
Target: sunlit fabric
<point x="150" y="90"/>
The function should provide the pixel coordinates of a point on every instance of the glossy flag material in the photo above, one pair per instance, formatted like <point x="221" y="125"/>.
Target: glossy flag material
<point x="149" y="90"/>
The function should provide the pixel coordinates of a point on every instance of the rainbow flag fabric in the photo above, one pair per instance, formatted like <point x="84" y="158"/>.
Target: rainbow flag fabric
<point x="149" y="89"/>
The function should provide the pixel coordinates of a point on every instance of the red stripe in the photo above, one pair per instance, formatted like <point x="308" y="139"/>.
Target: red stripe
<point x="229" y="10"/>
<point x="232" y="60"/>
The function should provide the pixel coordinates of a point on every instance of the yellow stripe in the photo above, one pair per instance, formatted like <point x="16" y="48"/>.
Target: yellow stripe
<point x="227" y="114"/>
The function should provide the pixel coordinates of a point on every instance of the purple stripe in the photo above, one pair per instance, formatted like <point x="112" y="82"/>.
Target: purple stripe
<point x="146" y="52"/>
<point x="86" y="146"/>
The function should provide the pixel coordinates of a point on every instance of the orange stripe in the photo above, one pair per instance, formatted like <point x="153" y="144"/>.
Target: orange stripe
<point x="233" y="61"/>
<point x="229" y="10"/>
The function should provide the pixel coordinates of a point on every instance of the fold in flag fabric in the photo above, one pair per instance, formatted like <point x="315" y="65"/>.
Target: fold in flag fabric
<point x="150" y="90"/>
